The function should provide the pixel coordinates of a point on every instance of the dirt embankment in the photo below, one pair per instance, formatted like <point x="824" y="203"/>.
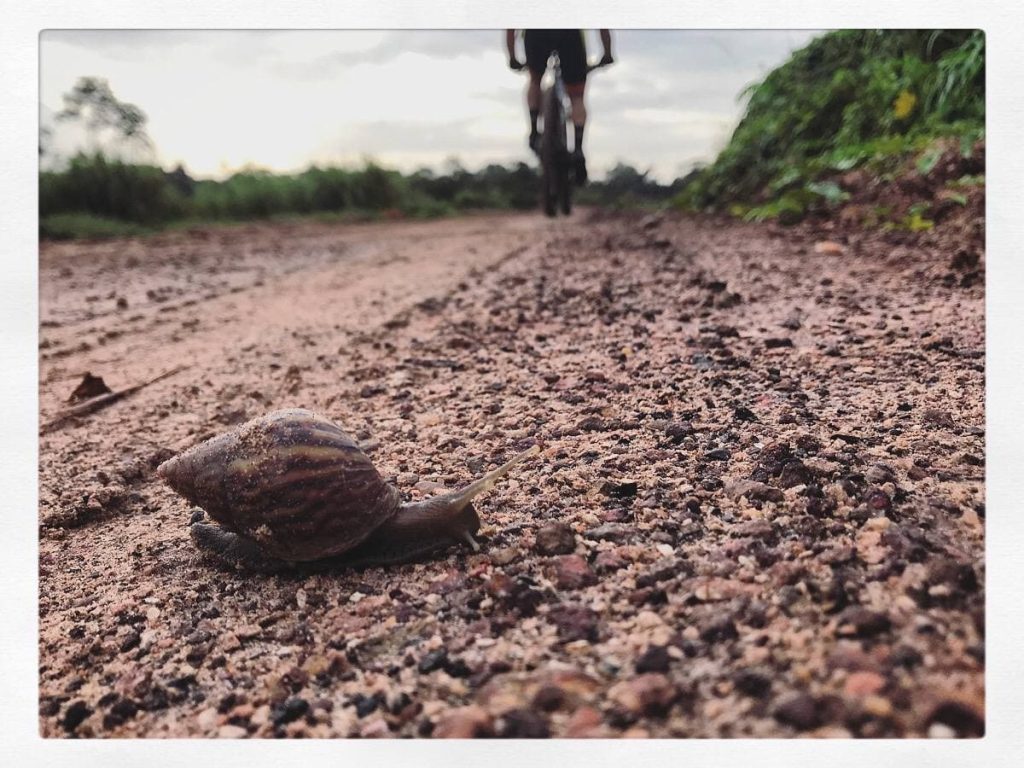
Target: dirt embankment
<point x="759" y="508"/>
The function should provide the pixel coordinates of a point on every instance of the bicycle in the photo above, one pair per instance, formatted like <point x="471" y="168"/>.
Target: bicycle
<point x="554" y="155"/>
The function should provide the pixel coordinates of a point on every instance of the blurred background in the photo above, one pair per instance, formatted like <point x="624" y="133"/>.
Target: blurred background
<point x="142" y="127"/>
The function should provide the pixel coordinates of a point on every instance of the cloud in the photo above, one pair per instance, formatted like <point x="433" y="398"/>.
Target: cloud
<point x="437" y="44"/>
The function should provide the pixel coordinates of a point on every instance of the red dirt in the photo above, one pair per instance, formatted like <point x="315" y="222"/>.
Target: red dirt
<point x="759" y="510"/>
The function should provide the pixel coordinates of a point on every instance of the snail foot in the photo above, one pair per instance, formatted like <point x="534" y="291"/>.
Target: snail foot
<point x="234" y="550"/>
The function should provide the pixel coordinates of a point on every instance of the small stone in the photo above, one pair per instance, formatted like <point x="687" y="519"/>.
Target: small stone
<point x="231" y="732"/>
<point x="76" y="712"/>
<point x="718" y="630"/>
<point x="616" y="532"/>
<point x="433" y="661"/>
<point x="719" y="454"/>
<point x="572" y="572"/>
<point x="619" y="490"/>
<point x="941" y="731"/>
<point x="876" y="706"/>
<point x="754" y="491"/>
<point x="778" y="343"/>
<point x="207" y="719"/>
<point x="609" y="560"/>
<point x="647" y="695"/>
<point x="798" y="710"/>
<point x="863" y="684"/>
<point x="574" y="622"/>
<point x="523" y="724"/>
<point x="555" y="539"/>
<point x="966" y="719"/>
<point x="937" y="418"/>
<point x="375" y="729"/>
<point x="585" y="723"/>
<point x="861" y="622"/>
<point x="795" y="473"/>
<point x="503" y="556"/>
<point x="677" y="431"/>
<point x="750" y="682"/>
<point x="654" y="659"/>
<point x="292" y="709"/>
<point x="464" y="723"/>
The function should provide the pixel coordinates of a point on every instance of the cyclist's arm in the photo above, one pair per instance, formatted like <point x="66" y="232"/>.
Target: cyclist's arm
<point x="606" y="43"/>
<point x="510" y="44"/>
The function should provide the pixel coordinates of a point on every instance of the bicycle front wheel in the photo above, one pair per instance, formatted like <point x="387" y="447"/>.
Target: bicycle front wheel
<point x="553" y="155"/>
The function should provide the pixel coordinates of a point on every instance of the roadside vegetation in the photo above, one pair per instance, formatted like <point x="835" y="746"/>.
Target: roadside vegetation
<point x="887" y="102"/>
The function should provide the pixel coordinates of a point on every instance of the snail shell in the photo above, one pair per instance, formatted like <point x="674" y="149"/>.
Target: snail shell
<point x="300" y="488"/>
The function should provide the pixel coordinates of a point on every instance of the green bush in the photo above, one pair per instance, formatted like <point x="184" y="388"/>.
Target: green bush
<point x="849" y="97"/>
<point x="109" y="188"/>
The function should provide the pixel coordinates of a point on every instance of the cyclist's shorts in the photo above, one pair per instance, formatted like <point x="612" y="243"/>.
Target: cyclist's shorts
<point x="571" y="47"/>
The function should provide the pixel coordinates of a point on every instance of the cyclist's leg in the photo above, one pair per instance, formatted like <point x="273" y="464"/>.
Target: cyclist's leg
<point x="538" y="49"/>
<point x="574" y="70"/>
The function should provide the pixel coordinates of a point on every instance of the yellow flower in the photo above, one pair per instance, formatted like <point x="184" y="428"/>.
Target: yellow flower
<point x="904" y="104"/>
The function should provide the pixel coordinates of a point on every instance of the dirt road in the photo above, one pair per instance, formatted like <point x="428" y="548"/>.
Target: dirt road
<point x="759" y="508"/>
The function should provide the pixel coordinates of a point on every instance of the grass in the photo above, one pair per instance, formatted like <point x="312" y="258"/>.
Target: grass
<point x="850" y="99"/>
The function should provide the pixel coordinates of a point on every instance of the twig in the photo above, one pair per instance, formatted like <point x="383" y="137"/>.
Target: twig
<point x="101" y="401"/>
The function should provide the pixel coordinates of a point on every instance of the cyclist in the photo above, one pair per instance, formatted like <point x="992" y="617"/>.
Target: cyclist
<point x="572" y="52"/>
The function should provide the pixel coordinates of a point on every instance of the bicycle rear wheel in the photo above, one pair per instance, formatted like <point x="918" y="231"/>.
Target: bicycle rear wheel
<point x="553" y="155"/>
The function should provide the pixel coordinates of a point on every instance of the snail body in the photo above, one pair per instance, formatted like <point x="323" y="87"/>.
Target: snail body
<point x="293" y="487"/>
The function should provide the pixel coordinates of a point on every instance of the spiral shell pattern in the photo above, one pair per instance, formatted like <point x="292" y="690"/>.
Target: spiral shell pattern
<point x="291" y="480"/>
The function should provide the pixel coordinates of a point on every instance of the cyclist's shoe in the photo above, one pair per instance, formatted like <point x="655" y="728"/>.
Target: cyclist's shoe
<point x="580" y="168"/>
<point x="535" y="142"/>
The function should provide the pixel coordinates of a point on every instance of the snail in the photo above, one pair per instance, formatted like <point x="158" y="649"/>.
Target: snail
<point x="292" y="487"/>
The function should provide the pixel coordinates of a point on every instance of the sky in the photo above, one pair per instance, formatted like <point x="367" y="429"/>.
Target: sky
<point x="217" y="101"/>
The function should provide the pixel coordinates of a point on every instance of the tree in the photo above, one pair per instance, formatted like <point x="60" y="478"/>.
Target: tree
<point x="92" y="103"/>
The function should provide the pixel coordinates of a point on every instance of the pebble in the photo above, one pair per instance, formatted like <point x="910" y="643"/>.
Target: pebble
<point x="292" y="709"/>
<point x="207" y="719"/>
<point x="616" y="532"/>
<point x="464" y="723"/>
<point x="649" y="694"/>
<point x="555" y="539"/>
<point x="609" y="560"/>
<point x="940" y="731"/>
<point x="754" y="491"/>
<point x="503" y="556"/>
<point x="863" y="684"/>
<point x="231" y="732"/>
<point x="795" y="473"/>
<point x="718" y="630"/>
<point x="523" y="724"/>
<point x="655" y="659"/>
<point x="76" y="712"/>
<point x="574" y="622"/>
<point x="751" y="682"/>
<point x="585" y="723"/>
<point x="862" y="622"/>
<point x="798" y="710"/>
<point x="433" y="661"/>
<point x="377" y="728"/>
<point x="572" y="572"/>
